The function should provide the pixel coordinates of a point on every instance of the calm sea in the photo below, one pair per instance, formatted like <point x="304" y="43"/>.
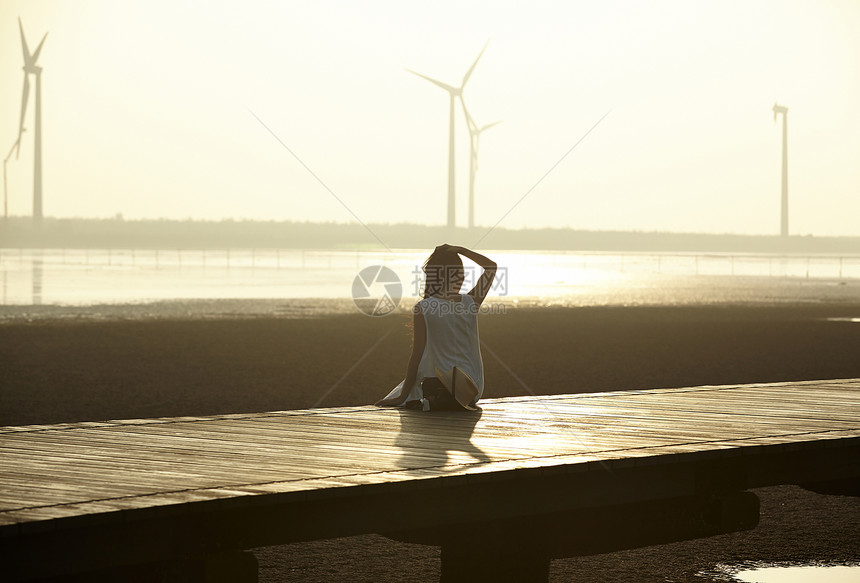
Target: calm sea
<point x="75" y="277"/>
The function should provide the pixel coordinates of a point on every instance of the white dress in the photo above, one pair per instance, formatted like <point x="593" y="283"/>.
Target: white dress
<point x="452" y="340"/>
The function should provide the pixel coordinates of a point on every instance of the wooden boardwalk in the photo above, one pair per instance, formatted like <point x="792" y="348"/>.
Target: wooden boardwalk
<point x="157" y="489"/>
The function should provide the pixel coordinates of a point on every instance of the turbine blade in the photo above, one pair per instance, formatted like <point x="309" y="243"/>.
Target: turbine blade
<point x="489" y="125"/>
<point x="472" y="68"/>
<point x="24" y="96"/>
<point x="11" y="150"/>
<point x="39" y="49"/>
<point x="24" y="46"/>
<point x="444" y="86"/>
<point x="470" y="121"/>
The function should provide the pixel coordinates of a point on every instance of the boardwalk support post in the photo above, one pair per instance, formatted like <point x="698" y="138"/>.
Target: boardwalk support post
<point x="494" y="554"/>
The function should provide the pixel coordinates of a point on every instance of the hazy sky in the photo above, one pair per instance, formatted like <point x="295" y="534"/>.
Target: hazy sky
<point x="147" y="111"/>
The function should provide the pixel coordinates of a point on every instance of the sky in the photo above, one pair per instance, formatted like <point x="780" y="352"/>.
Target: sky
<point x="150" y="110"/>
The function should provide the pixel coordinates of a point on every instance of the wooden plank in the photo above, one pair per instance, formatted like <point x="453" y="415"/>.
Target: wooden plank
<point x="129" y="464"/>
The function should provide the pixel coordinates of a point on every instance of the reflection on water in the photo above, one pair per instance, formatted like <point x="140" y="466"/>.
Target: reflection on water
<point x="111" y="276"/>
<point x="37" y="280"/>
<point x="802" y="574"/>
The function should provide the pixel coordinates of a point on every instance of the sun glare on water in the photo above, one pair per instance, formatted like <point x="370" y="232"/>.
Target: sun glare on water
<point x="805" y="574"/>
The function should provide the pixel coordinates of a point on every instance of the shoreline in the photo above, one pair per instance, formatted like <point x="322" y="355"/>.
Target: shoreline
<point x="699" y="291"/>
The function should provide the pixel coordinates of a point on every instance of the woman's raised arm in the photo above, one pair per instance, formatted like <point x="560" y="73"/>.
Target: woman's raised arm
<point x="485" y="282"/>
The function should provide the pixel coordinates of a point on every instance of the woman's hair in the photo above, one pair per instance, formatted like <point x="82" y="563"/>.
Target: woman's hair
<point x="443" y="271"/>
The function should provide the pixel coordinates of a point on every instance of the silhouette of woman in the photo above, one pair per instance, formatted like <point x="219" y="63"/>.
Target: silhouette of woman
<point x="445" y="369"/>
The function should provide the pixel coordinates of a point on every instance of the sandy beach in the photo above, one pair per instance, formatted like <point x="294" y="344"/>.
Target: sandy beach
<point x="87" y="364"/>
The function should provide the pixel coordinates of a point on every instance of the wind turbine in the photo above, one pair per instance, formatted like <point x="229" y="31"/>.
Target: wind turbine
<point x="30" y="68"/>
<point x="777" y="109"/>
<point x="474" y="142"/>
<point x="454" y="93"/>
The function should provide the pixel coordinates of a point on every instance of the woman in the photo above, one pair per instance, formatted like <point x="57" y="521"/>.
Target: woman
<point x="445" y="370"/>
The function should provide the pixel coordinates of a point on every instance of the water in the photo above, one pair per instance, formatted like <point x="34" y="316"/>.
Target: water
<point x="786" y="573"/>
<point x="805" y="574"/>
<point x="76" y="277"/>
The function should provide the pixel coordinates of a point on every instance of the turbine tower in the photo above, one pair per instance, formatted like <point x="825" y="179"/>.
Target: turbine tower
<point x="474" y="142"/>
<point x="30" y="68"/>
<point x="454" y="93"/>
<point x="777" y="109"/>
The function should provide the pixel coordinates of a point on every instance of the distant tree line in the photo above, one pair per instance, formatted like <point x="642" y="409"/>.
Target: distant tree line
<point x="117" y="233"/>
